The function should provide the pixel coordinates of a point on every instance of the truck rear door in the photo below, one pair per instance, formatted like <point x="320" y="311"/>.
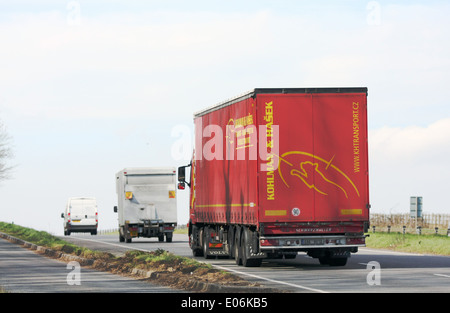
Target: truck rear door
<point x="320" y="171"/>
<point x="152" y="196"/>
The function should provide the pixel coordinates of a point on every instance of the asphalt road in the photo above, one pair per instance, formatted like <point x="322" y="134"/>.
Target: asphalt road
<point x="369" y="270"/>
<point x="25" y="271"/>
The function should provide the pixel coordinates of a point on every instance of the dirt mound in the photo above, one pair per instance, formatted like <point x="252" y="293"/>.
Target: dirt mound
<point x="177" y="272"/>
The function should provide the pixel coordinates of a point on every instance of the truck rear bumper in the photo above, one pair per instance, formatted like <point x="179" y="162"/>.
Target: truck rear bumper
<point x="149" y="228"/>
<point x="81" y="228"/>
<point x="310" y="242"/>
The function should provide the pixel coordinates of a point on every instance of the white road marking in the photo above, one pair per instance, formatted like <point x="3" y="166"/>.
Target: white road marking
<point x="270" y="280"/>
<point x="442" y="275"/>
<point x="379" y="251"/>
<point x="114" y="244"/>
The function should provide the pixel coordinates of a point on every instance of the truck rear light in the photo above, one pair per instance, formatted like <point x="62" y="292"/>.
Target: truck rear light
<point x="128" y="195"/>
<point x="269" y="242"/>
<point x="356" y="241"/>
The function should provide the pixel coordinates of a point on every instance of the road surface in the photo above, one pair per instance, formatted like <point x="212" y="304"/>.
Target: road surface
<point x="25" y="271"/>
<point x="369" y="270"/>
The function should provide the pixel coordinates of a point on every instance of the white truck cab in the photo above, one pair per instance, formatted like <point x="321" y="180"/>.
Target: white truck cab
<point x="81" y="215"/>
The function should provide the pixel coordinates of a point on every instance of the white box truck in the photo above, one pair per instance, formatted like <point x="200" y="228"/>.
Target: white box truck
<point x="147" y="204"/>
<point x="81" y="215"/>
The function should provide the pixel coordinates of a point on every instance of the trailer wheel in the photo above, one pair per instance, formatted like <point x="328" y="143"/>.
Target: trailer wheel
<point x="161" y="238"/>
<point x="205" y="241"/>
<point x="169" y="237"/>
<point x="121" y="235"/>
<point x="194" y="241"/>
<point x="333" y="261"/>
<point x="338" y="261"/>
<point x="246" y="243"/>
<point x="236" y="252"/>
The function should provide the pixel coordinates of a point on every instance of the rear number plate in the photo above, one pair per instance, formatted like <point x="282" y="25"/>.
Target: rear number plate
<point x="310" y="242"/>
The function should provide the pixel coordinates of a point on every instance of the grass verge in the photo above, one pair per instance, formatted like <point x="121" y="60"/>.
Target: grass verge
<point x="424" y="244"/>
<point x="44" y="239"/>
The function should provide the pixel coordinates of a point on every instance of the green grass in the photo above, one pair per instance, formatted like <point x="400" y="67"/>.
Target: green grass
<point x="182" y="230"/>
<point x="138" y="259"/>
<point x="424" y="244"/>
<point x="44" y="239"/>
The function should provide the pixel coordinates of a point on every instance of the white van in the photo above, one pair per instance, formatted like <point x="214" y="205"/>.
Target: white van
<point x="80" y="216"/>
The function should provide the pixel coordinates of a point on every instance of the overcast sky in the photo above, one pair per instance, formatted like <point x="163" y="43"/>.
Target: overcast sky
<point x="90" y="87"/>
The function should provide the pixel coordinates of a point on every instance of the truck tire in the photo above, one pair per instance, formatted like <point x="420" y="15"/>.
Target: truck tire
<point x="161" y="238"/>
<point x="194" y="240"/>
<point x="205" y="242"/>
<point x="121" y="235"/>
<point x="195" y="250"/>
<point x="333" y="261"/>
<point x="338" y="261"/>
<point x="169" y="237"/>
<point x="237" y="251"/>
<point x="246" y="243"/>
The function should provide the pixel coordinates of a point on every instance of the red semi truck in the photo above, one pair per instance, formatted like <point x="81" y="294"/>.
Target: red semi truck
<point x="278" y="171"/>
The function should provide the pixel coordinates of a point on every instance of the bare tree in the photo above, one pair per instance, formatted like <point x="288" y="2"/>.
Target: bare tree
<point x="5" y="153"/>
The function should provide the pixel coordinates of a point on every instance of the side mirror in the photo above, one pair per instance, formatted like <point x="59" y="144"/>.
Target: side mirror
<point x="182" y="174"/>
<point x="115" y="209"/>
<point x="182" y="177"/>
<point x="62" y="215"/>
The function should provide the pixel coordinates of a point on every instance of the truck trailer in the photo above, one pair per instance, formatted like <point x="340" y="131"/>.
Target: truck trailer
<point x="147" y="204"/>
<point x="279" y="171"/>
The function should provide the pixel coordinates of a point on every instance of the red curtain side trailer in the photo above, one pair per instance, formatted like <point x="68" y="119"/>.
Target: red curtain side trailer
<point x="278" y="171"/>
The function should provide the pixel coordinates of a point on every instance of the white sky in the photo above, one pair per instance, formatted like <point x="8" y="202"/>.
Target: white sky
<point x="90" y="87"/>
